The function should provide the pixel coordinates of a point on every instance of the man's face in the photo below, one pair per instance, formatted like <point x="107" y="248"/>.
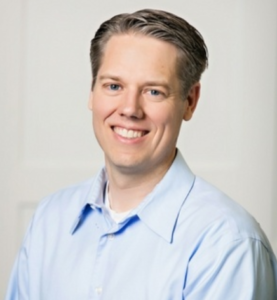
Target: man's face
<point x="137" y="105"/>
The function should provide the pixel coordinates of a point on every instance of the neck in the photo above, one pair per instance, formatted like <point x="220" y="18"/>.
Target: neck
<point x="127" y="191"/>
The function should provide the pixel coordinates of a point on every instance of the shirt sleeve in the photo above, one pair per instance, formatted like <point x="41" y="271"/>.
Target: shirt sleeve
<point x="19" y="280"/>
<point x="241" y="270"/>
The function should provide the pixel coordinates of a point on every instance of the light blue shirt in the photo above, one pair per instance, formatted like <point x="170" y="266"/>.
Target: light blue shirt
<point x="186" y="240"/>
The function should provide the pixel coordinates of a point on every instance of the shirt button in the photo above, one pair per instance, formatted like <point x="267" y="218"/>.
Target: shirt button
<point x="98" y="290"/>
<point x="110" y="236"/>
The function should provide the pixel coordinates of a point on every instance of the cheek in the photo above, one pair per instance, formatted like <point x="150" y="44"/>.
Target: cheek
<point x="100" y="104"/>
<point x="170" y="125"/>
<point x="164" y="117"/>
<point x="102" y="114"/>
<point x="98" y="117"/>
<point x="101" y="111"/>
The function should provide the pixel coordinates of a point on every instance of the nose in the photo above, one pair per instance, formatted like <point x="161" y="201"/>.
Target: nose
<point x="132" y="105"/>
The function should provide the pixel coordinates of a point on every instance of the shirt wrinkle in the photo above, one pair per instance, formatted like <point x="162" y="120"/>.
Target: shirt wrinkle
<point x="186" y="240"/>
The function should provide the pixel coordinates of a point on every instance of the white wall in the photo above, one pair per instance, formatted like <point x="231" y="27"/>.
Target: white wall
<point x="46" y="136"/>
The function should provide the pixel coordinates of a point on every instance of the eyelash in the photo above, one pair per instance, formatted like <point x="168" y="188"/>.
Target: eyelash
<point x="110" y="86"/>
<point x="156" y="92"/>
<point x="151" y="92"/>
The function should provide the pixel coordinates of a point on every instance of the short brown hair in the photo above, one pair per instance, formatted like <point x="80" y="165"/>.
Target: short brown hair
<point x="165" y="26"/>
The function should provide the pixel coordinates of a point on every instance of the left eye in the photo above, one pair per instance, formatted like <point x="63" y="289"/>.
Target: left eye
<point x="155" y="92"/>
<point x="114" y="87"/>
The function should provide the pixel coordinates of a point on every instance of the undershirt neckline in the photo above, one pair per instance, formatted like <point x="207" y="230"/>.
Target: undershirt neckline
<point x="116" y="216"/>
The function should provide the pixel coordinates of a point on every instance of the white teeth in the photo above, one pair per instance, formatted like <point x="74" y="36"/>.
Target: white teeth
<point x="129" y="134"/>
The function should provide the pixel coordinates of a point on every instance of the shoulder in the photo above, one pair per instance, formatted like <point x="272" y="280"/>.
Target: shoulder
<point x="74" y="193"/>
<point x="226" y="247"/>
<point x="65" y="203"/>
<point x="219" y="220"/>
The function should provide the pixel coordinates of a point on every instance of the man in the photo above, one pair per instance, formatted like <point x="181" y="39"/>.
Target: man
<point x="145" y="228"/>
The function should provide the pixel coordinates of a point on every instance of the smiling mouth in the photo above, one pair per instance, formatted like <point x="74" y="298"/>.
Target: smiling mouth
<point x="129" y="134"/>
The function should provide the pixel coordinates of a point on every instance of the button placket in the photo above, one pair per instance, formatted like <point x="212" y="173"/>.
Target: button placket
<point x="98" y="290"/>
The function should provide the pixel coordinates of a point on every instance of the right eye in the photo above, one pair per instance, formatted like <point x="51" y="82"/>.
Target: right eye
<point x="113" y="87"/>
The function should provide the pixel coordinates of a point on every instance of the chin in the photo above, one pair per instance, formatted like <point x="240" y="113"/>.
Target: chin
<point x="128" y="164"/>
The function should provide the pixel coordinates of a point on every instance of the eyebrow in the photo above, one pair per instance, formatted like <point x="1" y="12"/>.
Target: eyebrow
<point x="109" y="76"/>
<point x="157" y="83"/>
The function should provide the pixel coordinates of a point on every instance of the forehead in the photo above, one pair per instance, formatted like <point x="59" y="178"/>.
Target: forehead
<point x="138" y="52"/>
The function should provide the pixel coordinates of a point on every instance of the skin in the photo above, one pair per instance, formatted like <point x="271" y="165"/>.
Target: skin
<point x="137" y="112"/>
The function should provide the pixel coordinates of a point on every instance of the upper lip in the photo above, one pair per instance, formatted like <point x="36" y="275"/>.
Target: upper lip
<point x="130" y="128"/>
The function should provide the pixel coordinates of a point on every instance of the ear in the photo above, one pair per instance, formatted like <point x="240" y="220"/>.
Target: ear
<point x="90" y="101"/>
<point x="192" y="100"/>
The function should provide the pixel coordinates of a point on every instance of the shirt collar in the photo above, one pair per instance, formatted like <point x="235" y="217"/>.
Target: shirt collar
<point x="93" y="199"/>
<point x="160" y="209"/>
